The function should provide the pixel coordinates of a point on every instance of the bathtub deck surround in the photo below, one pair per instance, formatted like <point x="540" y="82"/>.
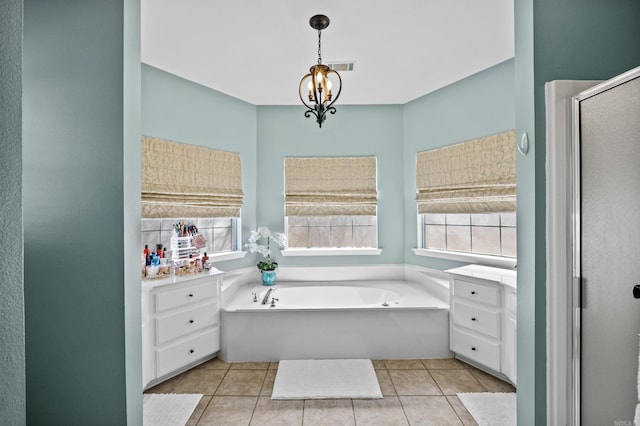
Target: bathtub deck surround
<point x="347" y="312"/>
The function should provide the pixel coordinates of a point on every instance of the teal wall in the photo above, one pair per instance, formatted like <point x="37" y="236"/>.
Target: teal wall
<point x="576" y="40"/>
<point x="283" y="131"/>
<point x="80" y="342"/>
<point x="12" y="344"/>
<point x="480" y="105"/>
<point x="179" y="110"/>
<point x="131" y="196"/>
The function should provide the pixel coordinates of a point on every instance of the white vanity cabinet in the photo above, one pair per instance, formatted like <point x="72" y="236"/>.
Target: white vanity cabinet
<point x="483" y="317"/>
<point x="180" y="325"/>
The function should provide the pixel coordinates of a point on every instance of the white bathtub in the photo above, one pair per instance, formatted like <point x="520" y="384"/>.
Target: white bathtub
<point x="386" y="318"/>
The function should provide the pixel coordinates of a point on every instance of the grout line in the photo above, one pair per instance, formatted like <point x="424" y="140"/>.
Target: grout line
<point x="353" y="412"/>
<point x="204" y="410"/>
<point x="454" y="409"/>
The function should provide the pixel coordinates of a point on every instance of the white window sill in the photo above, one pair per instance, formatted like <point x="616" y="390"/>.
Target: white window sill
<point x="501" y="262"/>
<point x="229" y="255"/>
<point x="331" y="252"/>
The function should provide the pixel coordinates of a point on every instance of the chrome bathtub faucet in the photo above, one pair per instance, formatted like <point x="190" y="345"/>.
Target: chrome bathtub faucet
<point x="265" y="299"/>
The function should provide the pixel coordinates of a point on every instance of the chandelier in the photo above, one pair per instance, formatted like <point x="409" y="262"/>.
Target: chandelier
<point x="316" y="87"/>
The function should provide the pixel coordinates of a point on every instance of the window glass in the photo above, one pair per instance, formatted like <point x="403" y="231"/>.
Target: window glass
<point x="219" y="233"/>
<point x="332" y="231"/>
<point x="492" y="234"/>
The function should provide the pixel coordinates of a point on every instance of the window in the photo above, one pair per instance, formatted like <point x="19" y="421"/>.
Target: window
<point x="491" y="234"/>
<point x="331" y="231"/>
<point x="331" y="202"/>
<point x="221" y="234"/>
<point x="194" y="184"/>
<point x="466" y="197"/>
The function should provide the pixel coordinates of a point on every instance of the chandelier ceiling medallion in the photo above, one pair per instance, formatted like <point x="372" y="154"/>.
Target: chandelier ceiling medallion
<point x="317" y="87"/>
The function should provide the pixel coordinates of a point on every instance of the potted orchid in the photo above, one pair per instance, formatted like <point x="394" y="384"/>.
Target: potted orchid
<point x="267" y="266"/>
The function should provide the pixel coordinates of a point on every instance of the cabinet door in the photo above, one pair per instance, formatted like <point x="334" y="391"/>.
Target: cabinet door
<point x="510" y="339"/>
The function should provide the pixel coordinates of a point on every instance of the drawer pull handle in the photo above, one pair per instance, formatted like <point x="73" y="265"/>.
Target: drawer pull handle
<point x="473" y="292"/>
<point x="473" y="318"/>
<point x="191" y="295"/>
<point x="191" y="351"/>
<point x="190" y="321"/>
<point x="473" y="348"/>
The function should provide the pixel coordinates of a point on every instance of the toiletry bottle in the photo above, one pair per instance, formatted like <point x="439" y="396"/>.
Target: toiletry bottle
<point x="146" y="250"/>
<point x="205" y="261"/>
<point x="159" y="250"/>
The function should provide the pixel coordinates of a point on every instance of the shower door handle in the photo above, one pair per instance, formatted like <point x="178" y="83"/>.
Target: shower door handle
<point x="636" y="291"/>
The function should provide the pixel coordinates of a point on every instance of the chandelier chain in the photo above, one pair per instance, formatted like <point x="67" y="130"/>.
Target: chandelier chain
<point x="319" y="51"/>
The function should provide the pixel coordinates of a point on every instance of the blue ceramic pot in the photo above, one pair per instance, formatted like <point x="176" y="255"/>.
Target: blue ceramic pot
<point x="268" y="277"/>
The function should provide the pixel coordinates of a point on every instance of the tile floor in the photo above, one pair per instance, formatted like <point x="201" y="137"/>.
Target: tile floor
<point x="416" y="392"/>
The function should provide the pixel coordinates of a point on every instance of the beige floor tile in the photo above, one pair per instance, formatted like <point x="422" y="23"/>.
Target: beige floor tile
<point x="271" y="412"/>
<point x="379" y="412"/>
<point x="328" y="412"/>
<point x="378" y="364"/>
<point x="215" y="364"/>
<point x="228" y="410"/>
<point x="200" y="381"/>
<point x="267" y="386"/>
<point x="167" y="386"/>
<point x="242" y="382"/>
<point x="491" y="383"/>
<point x="198" y="411"/>
<point x="404" y="364"/>
<point x="454" y="381"/>
<point x="461" y="410"/>
<point x="273" y="365"/>
<point x="386" y="385"/>
<point x="442" y="363"/>
<point x="429" y="410"/>
<point x="249" y="365"/>
<point x="414" y="382"/>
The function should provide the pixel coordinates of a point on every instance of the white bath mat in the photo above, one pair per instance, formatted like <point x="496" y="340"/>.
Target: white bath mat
<point x="326" y="379"/>
<point x="168" y="409"/>
<point x="491" y="409"/>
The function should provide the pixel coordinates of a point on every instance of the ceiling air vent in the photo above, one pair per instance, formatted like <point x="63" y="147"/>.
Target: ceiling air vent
<point x="341" y="66"/>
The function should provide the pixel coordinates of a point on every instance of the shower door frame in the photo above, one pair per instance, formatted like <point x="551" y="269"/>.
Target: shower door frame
<point x="563" y="244"/>
<point x="576" y="282"/>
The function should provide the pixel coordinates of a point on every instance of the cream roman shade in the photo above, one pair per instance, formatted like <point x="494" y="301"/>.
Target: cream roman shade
<point x="330" y="186"/>
<point x="180" y="180"/>
<point x="476" y="176"/>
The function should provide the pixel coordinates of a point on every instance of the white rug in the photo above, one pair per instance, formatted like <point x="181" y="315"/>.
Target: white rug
<point x="326" y="379"/>
<point x="491" y="409"/>
<point x="168" y="409"/>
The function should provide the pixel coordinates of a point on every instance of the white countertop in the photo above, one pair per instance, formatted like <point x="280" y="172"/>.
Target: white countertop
<point x="507" y="277"/>
<point x="148" y="284"/>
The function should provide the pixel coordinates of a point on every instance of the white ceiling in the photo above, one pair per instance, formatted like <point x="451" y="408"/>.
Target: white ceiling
<point x="258" y="50"/>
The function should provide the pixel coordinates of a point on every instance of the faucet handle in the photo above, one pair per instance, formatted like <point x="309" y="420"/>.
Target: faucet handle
<point x="273" y="302"/>
<point x="255" y="296"/>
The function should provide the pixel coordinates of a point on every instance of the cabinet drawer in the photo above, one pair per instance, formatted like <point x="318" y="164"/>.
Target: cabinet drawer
<point x="477" y="292"/>
<point x="182" y="323"/>
<point x="185" y="295"/>
<point x="184" y="353"/>
<point x="477" y="319"/>
<point x="477" y="349"/>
